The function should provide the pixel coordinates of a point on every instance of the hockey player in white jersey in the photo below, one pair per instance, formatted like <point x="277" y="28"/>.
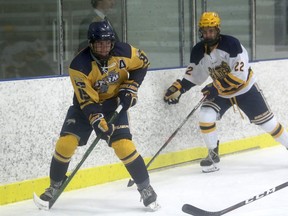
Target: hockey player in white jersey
<point x="225" y="60"/>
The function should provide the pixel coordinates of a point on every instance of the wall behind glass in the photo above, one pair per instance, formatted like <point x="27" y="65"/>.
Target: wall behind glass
<point x="190" y="32"/>
<point x="77" y="16"/>
<point x="272" y="29"/>
<point x="30" y="37"/>
<point x="27" y="38"/>
<point x="235" y="19"/>
<point x="154" y="27"/>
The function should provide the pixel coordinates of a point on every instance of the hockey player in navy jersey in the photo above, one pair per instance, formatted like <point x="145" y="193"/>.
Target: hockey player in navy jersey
<point x="104" y="74"/>
<point x="225" y="60"/>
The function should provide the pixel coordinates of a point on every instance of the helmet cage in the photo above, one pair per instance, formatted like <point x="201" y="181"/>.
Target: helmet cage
<point x="100" y="31"/>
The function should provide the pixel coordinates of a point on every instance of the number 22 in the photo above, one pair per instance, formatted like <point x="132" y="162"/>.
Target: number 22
<point x="239" y="66"/>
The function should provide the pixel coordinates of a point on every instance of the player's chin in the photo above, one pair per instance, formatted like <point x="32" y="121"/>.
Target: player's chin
<point x="103" y="57"/>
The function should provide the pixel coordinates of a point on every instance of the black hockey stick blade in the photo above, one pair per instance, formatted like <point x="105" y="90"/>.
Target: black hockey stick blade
<point x="192" y="210"/>
<point x="130" y="183"/>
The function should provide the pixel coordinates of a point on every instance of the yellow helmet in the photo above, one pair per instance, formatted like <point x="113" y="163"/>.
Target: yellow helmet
<point x="209" y="19"/>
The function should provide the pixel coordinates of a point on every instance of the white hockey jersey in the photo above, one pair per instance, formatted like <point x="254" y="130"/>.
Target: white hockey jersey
<point x="227" y="65"/>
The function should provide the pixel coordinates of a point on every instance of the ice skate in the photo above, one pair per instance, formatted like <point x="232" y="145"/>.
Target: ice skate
<point x="51" y="191"/>
<point x="149" y="198"/>
<point x="209" y="164"/>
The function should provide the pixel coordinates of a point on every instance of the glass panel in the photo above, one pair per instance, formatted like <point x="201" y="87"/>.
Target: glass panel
<point x="235" y="19"/>
<point x="29" y="30"/>
<point x="188" y="31"/>
<point x="153" y="26"/>
<point x="27" y="38"/>
<point x="77" y="17"/>
<point x="272" y="29"/>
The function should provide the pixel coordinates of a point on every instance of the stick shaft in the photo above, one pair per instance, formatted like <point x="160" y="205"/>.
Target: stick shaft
<point x="131" y="182"/>
<point x="85" y="156"/>
<point x="176" y="131"/>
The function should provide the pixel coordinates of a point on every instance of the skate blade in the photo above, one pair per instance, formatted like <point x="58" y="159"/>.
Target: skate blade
<point x="154" y="206"/>
<point x="41" y="204"/>
<point x="208" y="169"/>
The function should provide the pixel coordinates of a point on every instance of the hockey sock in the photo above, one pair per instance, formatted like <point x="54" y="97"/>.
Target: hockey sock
<point x="58" y="170"/>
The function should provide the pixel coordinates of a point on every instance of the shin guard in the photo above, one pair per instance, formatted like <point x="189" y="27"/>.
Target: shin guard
<point x="133" y="161"/>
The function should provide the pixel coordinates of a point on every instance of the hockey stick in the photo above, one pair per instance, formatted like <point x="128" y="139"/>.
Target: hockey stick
<point x="46" y="205"/>
<point x="131" y="182"/>
<point x="192" y="210"/>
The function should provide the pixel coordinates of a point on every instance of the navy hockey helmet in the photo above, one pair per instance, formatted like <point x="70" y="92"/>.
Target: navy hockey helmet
<point x="100" y="31"/>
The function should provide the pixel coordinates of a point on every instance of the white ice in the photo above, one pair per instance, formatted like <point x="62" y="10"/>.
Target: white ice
<point x="241" y="176"/>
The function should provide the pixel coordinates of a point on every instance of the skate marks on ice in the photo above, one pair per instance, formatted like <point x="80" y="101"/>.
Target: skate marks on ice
<point x="241" y="175"/>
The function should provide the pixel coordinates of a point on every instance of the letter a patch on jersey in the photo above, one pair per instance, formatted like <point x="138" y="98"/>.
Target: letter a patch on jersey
<point x="122" y="64"/>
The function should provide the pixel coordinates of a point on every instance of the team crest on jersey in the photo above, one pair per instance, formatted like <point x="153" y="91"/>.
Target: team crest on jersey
<point x="79" y="82"/>
<point x="220" y="71"/>
<point x="102" y="85"/>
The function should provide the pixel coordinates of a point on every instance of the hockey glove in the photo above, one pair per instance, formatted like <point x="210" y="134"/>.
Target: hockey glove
<point x="100" y="126"/>
<point x="174" y="93"/>
<point x="128" y="94"/>
<point x="210" y="91"/>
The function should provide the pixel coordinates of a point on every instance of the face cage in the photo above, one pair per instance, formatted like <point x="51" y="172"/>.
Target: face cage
<point x="101" y="58"/>
<point x="210" y="42"/>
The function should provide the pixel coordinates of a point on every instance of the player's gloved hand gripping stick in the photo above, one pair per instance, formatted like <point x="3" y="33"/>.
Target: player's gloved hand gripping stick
<point x="46" y="205"/>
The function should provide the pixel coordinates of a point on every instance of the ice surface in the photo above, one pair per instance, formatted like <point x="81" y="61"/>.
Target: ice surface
<point x="241" y="176"/>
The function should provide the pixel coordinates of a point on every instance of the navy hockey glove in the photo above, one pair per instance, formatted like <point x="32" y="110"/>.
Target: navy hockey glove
<point x="210" y="91"/>
<point x="100" y="125"/>
<point x="128" y="94"/>
<point x="174" y="92"/>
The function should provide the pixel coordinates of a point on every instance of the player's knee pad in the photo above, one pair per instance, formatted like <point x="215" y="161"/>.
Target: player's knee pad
<point x="273" y="127"/>
<point x="207" y="124"/>
<point x="207" y="119"/>
<point x="65" y="148"/>
<point x="207" y="114"/>
<point x="125" y="150"/>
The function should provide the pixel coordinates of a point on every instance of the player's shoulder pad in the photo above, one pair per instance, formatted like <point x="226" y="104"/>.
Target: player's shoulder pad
<point x="197" y="53"/>
<point x="82" y="61"/>
<point x="122" y="49"/>
<point x="230" y="45"/>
